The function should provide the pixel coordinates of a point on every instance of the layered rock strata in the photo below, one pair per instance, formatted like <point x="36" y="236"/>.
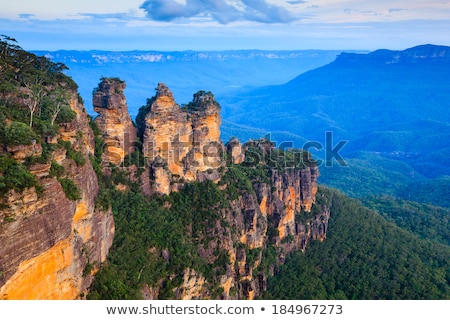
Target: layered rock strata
<point x="275" y="216"/>
<point x="181" y="144"/>
<point x="114" y="120"/>
<point x="52" y="246"/>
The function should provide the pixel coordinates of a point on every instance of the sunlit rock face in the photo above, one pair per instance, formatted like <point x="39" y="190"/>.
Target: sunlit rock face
<point x="51" y="247"/>
<point x="114" y="120"/>
<point x="181" y="143"/>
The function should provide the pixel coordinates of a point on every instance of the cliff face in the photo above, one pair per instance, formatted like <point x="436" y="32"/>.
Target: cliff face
<point x="181" y="143"/>
<point x="255" y="233"/>
<point x="273" y="214"/>
<point x="52" y="246"/>
<point x="113" y="120"/>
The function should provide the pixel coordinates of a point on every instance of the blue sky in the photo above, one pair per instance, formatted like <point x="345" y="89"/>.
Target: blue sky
<point x="225" y="24"/>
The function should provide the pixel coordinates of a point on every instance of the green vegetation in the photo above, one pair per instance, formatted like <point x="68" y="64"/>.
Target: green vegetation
<point x="369" y="174"/>
<point x="14" y="176"/>
<point x="201" y="100"/>
<point x="35" y="80"/>
<point x="364" y="257"/>
<point x="33" y="91"/>
<point x="426" y="221"/>
<point x="160" y="237"/>
<point x="56" y="170"/>
<point x="34" y="100"/>
<point x="73" y="154"/>
<point x="18" y="133"/>
<point x="65" y="115"/>
<point x="433" y="191"/>
<point x="70" y="189"/>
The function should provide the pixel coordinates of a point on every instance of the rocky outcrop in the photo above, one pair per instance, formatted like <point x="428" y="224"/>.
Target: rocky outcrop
<point x="52" y="246"/>
<point x="272" y="219"/>
<point x="277" y="214"/>
<point x="235" y="151"/>
<point x="114" y="121"/>
<point x="181" y="143"/>
<point x="192" y="287"/>
<point x="21" y="152"/>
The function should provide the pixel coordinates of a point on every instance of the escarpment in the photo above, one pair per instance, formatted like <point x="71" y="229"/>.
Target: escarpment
<point x="53" y="237"/>
<point x="267" y="220"/>
<point x="268" y="208"/>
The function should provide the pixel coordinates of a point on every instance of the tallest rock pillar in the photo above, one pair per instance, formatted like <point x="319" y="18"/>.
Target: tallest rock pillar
<point x="114" y="120"/>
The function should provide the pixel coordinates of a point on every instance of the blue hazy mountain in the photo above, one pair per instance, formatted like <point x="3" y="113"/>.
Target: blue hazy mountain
<point x="186" y="72"/>
<point x="391" y="106"/>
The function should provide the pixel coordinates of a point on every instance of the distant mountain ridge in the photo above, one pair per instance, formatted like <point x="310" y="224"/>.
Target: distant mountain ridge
<point x="137" y="56"/>
<point x="417" y="54"/>
<point x="353" y="85"/>
<point x="414" y="54"/>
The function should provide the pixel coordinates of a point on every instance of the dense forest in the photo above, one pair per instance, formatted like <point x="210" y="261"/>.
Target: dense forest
<point x="34" y="101"/>
<point x="367" y="257"/>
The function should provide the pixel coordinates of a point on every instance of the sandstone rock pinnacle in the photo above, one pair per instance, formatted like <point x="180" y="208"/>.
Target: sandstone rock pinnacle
<point x="114" y="120"/>
<point x="188" y="138"/>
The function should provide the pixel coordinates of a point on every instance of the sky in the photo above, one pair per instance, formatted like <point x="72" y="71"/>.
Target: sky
<point x="176" y="25"/>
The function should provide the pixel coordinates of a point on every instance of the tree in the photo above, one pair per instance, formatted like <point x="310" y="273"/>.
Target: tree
<point x="59" y="99"/>
<point x="35" y="92"/>
<point x="18" y="133"/>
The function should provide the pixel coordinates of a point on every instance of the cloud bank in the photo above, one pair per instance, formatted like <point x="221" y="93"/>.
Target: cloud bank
<point x="220" y="11"/>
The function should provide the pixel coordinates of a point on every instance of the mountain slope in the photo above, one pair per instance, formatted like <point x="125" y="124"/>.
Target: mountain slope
<point x="364" y="257"/>
<point x="392" y="104"/>
<point x="356" y="94"/>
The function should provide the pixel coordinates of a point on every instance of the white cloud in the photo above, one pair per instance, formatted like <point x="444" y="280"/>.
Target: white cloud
<point x="221" y="11"/>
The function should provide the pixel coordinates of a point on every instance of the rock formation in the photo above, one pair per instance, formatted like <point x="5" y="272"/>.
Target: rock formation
<point x="235" y="150"/>
<point x="278" y="214"/>
<point x="181" y="143"/>
<point x="52" y="246"/>
<point x="114" y="121"/>
<point x="270" y="220"/>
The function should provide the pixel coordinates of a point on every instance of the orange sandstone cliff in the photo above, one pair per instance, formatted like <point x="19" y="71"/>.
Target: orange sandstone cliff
<point x="114" y="121"/>
<point x="181" y="144"/>
<point x="51" y="246"/>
